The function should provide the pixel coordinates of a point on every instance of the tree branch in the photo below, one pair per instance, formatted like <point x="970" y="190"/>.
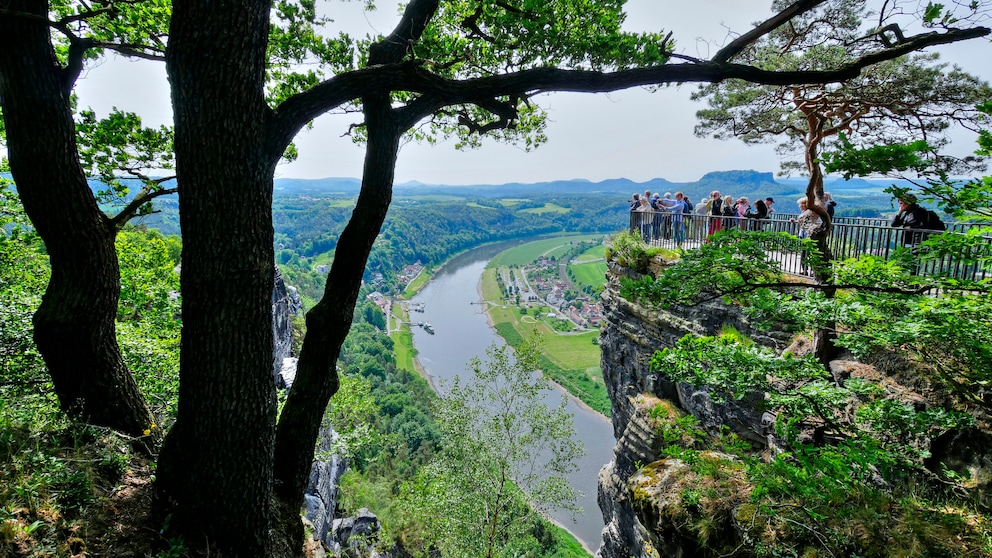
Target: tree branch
<point x="770" y="24"/>
<point x="143" y="197"/>
<point x="74" y="65"/>
<point x="412" y="76"/>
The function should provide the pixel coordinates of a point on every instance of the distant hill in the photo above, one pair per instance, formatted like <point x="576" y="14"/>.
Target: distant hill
<point x="741" y="182"/>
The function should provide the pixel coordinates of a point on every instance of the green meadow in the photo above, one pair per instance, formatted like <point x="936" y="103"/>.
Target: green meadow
<point x="569" y="358"/>
<point x="529" y="252"/>
<point x="589" y="268"/>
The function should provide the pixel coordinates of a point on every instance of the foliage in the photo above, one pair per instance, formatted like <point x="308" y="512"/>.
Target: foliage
<point x="719" y="493"/>
<point x="878" y="435"/>
<point x="23" y="275"/>
<point x="629" y="250"/>
<point x="451" y="40"/>
<point x="117" y="148"/>
<point x="893" y="99"/>
<point x="732" y="263"/>
<point x="854" y="454"/>
<point x="57" y="478"/>
<point x="351" y="413"/>
<point x="930" y="175"/>
<point x="503" y="448"/>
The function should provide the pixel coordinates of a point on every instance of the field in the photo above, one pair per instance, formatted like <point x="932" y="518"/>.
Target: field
<point x="527" y="253"/>
<point x="402" y="339"/>
<point x="589" y="268"/>
<point x="569" y="358"/>
<point x="548" y="208"/>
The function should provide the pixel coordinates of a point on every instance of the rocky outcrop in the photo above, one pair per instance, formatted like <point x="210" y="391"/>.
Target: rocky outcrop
<point x="629" y="337"/>
<point x="646" y="494"/>
<point x="285" y="304"/>
<point x="320" y="499"/>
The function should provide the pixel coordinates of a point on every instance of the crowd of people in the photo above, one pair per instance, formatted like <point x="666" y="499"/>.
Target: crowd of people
<point x="677" y="218"/>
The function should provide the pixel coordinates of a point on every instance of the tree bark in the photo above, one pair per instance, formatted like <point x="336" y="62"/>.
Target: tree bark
<point x="824" y="346"/>
<point x="75" y="325"/>
<point x="330" y="320"/>
<point x="215" y="470"/>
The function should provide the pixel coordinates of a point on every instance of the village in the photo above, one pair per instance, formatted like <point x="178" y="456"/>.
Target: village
<point x="545" y="283"/>
<point x="541" y="286"/>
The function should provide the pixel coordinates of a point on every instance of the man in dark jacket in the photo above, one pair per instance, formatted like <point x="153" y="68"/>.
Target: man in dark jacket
<point x="716" y="212"/>
<point x="913" y="218"/>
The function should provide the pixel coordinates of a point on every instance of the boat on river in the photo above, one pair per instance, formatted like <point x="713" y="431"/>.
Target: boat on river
<point x="427" y="327"/>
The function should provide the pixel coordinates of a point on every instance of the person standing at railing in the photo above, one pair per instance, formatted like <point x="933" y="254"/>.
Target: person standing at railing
<point x="646" y="219"/>
<point x="759" y="215"/>
<point x="729" y="212"/>
<point x="913" y="219"/>
<point x="768" y="203"/>
<point x="674" y="209"/>
<point x="716" y="212"/>
<point x="687" y="219"/>
<point x="743" y="208"/>
<point x="807" y="219"/>
<point x="701" y="219"/>
<point x="829" y="204"/>
<point x="635" y="201"/>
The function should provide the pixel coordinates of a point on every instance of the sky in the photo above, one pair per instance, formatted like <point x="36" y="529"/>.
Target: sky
<point x="634" y="134"/>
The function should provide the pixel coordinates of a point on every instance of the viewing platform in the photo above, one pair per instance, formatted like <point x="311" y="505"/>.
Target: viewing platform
<point x="851" y="237"/>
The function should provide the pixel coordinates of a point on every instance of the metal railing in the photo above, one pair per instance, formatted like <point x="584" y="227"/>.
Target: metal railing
<point x="851" y="238"/>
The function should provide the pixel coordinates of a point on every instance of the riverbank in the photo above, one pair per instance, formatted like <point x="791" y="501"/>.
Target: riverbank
<point x="450" y="303"/>
<point x="570" y="359"/>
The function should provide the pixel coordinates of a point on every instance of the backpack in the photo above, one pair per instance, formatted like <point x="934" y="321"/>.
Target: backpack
<point x="688" y="206"/>
<point x="933" y="222"/>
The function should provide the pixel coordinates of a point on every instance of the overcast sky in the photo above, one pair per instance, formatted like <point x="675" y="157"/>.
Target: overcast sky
<point x="632" y="134"/>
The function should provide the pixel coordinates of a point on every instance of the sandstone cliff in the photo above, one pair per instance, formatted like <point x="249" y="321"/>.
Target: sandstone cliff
<point x="640" y="487"/>
<point x="630" y="336"/>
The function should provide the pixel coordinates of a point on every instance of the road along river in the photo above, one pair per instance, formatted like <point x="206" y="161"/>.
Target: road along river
<point x="462" y="331"/>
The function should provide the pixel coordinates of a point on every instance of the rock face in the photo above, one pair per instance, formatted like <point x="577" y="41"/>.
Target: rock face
<point x="636" y="488"/>
<point x="320" y="499"/>
<point x="629" y="337"/>
<point x="285" y="304"/>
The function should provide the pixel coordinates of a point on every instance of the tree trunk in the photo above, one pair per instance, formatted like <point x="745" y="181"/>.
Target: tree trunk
<point x="824" y="346"/>
<point x="75" y="325"/>
<point x="330" y="320"/>
<point x="215" y="470"/>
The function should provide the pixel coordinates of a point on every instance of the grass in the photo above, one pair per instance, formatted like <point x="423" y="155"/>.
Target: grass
<point x="70" y="489"/>
<point x="529" y="252"/>
<point x="591" y="274"/>
<point x="568" y="545"/>
<point x="571" y="359"/>
<point x="597" y="252"/>
<point x="548" y="208"/>
<point x="418" y="283"/>
<point x="403" y="340"/>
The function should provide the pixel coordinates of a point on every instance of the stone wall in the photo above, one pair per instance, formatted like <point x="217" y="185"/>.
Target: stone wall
<point x="629" y="337"/>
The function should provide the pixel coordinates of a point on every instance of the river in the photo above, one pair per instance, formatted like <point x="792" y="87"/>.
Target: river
<point x="462" y="332"/>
